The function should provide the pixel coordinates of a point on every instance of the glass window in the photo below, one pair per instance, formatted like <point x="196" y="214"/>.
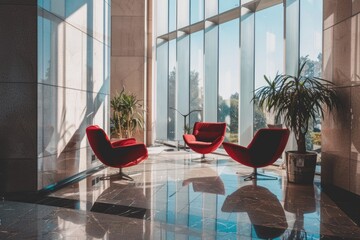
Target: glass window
<point x="311" y="49"/>
<point x="182" y="97"/>
<point x="229" y="74"/>
<point x="211" y="74"/>
<point x="161" y="17"/>
<point x="161" y="90"/>
<point x="183" y="13"/>
<point x="172" y="15"/>
<point x="269" y="54"/>
<point x="196" y="76"/>
<point x="197" y="11"/>
<point x="246" y="78"/>
<point x="311" y="35"/>
<point x="211" y="8"/>
<point x="172" y="90"/>
<point x="225" y="5"/>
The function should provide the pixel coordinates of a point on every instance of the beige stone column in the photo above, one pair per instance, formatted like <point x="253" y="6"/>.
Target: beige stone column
<point x="130" y="56"/>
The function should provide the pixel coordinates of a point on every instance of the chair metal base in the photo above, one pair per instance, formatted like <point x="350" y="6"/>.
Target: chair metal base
<point x="258" y="176"/>
<point x="201" y="159"/>
<point x="119" y="176"/>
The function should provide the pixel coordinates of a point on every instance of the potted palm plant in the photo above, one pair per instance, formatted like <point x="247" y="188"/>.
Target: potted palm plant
<point x="128" y="114"/>
<point x="296" y="100"/>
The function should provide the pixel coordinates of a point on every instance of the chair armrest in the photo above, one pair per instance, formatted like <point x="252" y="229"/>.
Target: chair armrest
<point x="128" y="155"/>
<point x="218" y="140"/>
<point x="189" y="138"/>
<point x="138" y="149"/>
<point x="237" y="152"/>
<point x="123" y="142"/>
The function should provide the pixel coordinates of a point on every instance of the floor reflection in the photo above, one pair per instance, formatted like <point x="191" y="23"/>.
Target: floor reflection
<point x="206" y="184"/>
<point x="299" y="200"/>
<point x="173" y="197"/>
<point x="264" y="210"/>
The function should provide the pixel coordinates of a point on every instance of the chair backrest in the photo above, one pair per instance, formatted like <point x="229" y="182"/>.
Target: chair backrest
<point x="208" y="131"/>
<point x="268" y="145"/>
<point x="99" y="142"/>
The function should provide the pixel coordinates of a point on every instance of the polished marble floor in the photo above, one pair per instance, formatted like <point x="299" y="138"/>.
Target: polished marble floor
<point x="175" y="196"/>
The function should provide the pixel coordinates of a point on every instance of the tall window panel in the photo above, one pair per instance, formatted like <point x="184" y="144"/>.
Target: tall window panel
<point x="196" y="76"/>
<point x="311" y="49"/>
<point x="211" y="43"/>
<point x="172" y="15"/>
<point x="196" y="11"/>
<point x="226" y="5"/>
<point x="182" y="83"/>
<point x="161" y="91"/>
<point x="269" y="54"/>
<point x="183" y="13"/>
<point x="246" y="78"/>
<point x="229" y="77"/>
<point x="172" y="90"/>
<point x="211" y="8"/>
<point x="311" y="35"/>
<point x="162" y="17"/>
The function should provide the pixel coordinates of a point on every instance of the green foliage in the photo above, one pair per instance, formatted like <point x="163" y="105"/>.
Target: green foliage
<point x="229" y="110"/>
<point x="128" y="114"/>
<point x="316" y="138"/>
<point x="259" y="118"/>
<point x="296" y="100"/>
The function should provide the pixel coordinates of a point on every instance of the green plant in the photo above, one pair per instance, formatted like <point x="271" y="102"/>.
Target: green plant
<point x="296" y="100"/>
<point x="316" y="138"/>
<point x="128" y="114"/>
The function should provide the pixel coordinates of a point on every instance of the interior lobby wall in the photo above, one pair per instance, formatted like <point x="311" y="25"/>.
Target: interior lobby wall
<point x="18" y="93"/>
<point x="54" y="82"/>
<point x="73" y="85"/>
<point x="341" y="65"/>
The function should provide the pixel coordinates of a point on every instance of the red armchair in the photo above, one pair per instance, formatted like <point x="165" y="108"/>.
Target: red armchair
<point x="206" y="137"/>
<point x="119" y="154"/>
<point x="265" y="148"/>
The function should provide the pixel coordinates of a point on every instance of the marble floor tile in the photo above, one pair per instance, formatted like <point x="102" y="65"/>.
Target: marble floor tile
<point x="174" y="196"/>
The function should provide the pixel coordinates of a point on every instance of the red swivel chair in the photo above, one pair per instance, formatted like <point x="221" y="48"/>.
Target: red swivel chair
<point x="206" y="137"/>
<point x="265" y="148"/>
<point x="119" y="154"/>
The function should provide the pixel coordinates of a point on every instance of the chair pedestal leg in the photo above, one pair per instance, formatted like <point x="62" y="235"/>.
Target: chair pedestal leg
<point x="120" y="176"/>
<point x="258" y="176"/>
<point x="201" y="159"/>
<point x="124" y="176"/>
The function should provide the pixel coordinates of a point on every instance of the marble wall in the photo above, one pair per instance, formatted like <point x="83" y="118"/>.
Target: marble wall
<point x="18" y="91"/>
<point x="73" y="84"/>
<point x="128" y="49"/>
<point x="341" y="130"/>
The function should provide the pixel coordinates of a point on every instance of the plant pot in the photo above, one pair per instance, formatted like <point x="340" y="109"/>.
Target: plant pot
<point x="300" y="167"/>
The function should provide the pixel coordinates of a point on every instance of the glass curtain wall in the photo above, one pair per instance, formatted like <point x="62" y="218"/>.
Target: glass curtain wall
<point x="209" y="65"/>
<point x="172" y="90"/>
<point x="197" y="11"/>
<point x="229" y="77"/>
<point x="162" y="91"/>
<point x="269" y="54"/>
<point x="211" y="73"/>
<point x="226" y="5"/>
<point x="183" y="13"/>
<point x="172" y="15"/>
<point x="311" y="50"/>
<point x="196" y="76"/>
<point x="182" y="84"/>
<point x="162" y="17"/>
<point x="211" y="8"/>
